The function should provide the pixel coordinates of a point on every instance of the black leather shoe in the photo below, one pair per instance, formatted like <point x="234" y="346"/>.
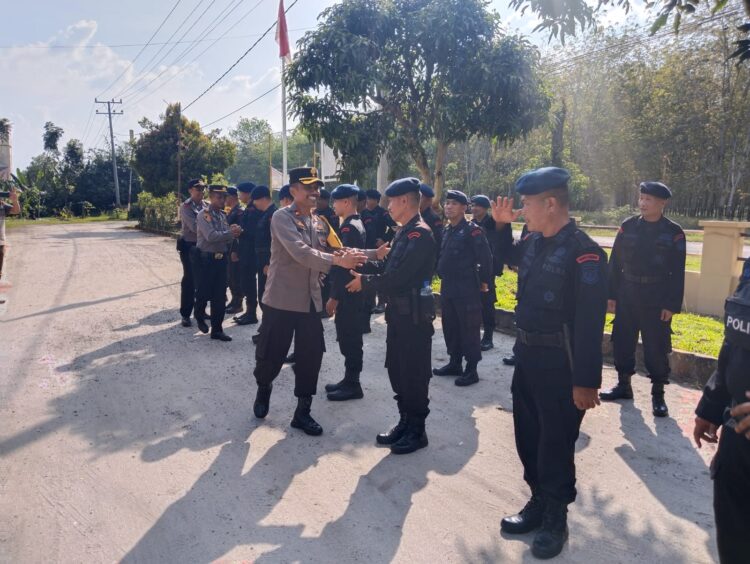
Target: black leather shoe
<point x="201" y="324"/>
<point x="394" y="435"/>
<point x="453" y="368"/>
<point x="221" y="336"/>
<point x="232" y="309"/>
<point x="526" y="520"/>
<point x="303" y="420"/>
<point x="486" y="343"/>
<point x="378" y="309"/>
<point x="413" y="439"/>
<point x="186" y="322"/>
<point x="262" y="401"/>
<point x="553" y="535"/>
<point x="291" y="359"/>
<point x="509" y="360"/>
<point x="620" y="391"/>
<point x="659" y="406"/>
<point x="467" y="378"/>
<point x="246" y="320"/>
<point x="349" y="391"/>
<point x="255" y="338"/>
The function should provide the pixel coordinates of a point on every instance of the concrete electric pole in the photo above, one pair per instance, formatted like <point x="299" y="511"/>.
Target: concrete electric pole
<point x="110" y="112"/>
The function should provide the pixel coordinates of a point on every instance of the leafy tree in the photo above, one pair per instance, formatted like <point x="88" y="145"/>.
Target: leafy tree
<point x="156" y="152"/>
<point x="72" y="163"/>
<point x="51" y="137"/>
<point x="5" y="128"/>
<point x="419" y="70"/>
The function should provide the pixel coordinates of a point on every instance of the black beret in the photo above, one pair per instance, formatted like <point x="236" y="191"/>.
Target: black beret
<point x="542" y="180"/>
<point x="217" y="189"/>
<point x="260" y="192"/>
<point x="482" y="201"/>
<point x="373" y="194"/>
<point x="458" y="196"/>
<point x="284" y="193"/>
<point x="656" y="189"/>
<point x="344" y="191"/>
<point x="324" y="194"/>
<point x="305" y="175"/>
<point x="402" y="186"/>
<point x="232" y="190"/>
<point x="362" y="196"/>
<point x="245" y="187"/>
<point x="195" y="183"/>
<point x="426" y="191"/>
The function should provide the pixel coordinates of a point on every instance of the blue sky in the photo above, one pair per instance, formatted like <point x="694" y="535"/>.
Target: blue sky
<point x="74" y="50"/>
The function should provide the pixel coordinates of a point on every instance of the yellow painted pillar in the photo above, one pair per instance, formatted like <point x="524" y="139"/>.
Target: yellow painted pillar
<point x="722" y="245"/>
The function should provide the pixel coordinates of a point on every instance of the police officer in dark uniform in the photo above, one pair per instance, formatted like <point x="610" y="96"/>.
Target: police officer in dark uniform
<point x="348" y="307"/>
<point x="186" y="243"/>
<point x="380" y="228"/>
<point x="214" y="239"/>
<point x="465" y="268"/>
<point x="234" y="211"/>
<point x="647" y="283"/>
<point x="501" y="243"/>
<point x="427" y="195"/>
<point x="266" y="207"/>
<point x="562" y="302"/>
<point x="726" y="402"/>
<point x="405" y="279"/>
<point x="246" y="253"/>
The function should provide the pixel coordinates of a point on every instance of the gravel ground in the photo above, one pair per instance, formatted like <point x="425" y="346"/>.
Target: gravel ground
<point x="126" y="437"/>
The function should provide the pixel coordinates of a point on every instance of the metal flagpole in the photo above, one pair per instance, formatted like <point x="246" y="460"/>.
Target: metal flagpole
<point x="283" y="122"/>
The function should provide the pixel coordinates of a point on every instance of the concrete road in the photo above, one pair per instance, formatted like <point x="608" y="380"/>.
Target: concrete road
<point x="126" y="437"/>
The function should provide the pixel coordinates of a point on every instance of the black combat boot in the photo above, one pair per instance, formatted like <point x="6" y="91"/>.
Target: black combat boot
<point x="553" y="535"/>
<point x="186" y="322"/>
<point x="623" y="389"/>
<point x="469" y="376"/>
<point x="262" y="401"/>
<point x="657" y="401"/>
<point x="395" y="434"/>
<point x="487" y="343"/>
<point x="302" y="418"/>
<point x="349" y="389"/>
<point x="413" y="438"/>
<point x="234" y="306"/>
<point x="453" y="368"/>
<point x="526" y="520"/>
<point x="337" y="385"/>
<point x="200" y="320"/>
<point x="220" y="336"/>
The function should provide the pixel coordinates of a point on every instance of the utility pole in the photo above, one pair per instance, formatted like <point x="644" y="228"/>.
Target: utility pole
<point x="110" y="112"/>
<point x="130" y="169"/>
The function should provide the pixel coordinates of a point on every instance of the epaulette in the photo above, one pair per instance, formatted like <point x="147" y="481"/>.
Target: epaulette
<point x="584" y="239"/>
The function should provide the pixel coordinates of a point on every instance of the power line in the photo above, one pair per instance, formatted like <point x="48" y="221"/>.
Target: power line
<point x="266" y="93"/>
<point x="88" y="124"/>
<point x="208" y="29"/>
<point x="215" y="82"/>
<point x="132" y="62"/>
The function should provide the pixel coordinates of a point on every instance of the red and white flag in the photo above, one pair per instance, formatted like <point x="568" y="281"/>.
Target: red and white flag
<point x="282" y="34"/>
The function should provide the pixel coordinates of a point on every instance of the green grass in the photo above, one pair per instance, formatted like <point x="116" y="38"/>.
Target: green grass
<point x="12" y="222"/>
<point x="692" y="333"/>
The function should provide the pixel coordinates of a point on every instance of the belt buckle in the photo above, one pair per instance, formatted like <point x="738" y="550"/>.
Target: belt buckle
<point x="218" y="256"/>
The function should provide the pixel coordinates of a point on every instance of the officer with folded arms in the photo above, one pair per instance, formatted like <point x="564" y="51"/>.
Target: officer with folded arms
<point x="465" y="270"/>
<point x="726" y="403"/>
<point x="405" y="277"/>
<point x="214" y="239"/>
<point x="562" y="303"/>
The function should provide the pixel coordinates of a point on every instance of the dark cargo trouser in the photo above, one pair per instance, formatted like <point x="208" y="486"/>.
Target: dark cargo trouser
<point x="731" y="473"/>
<point x="348" y="321"/>
<point x="462" y="318"/>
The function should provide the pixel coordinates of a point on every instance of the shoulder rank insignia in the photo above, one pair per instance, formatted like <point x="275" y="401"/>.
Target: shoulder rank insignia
<point x="414" y="235"/>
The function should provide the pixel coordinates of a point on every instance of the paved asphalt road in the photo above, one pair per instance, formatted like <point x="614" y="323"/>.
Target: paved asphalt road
<point x="126" y="437"/>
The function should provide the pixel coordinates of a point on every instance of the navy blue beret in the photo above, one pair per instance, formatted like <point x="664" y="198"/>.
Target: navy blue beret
<point x="245" y="187"/>
<point x="260" y="192"/>
<point x="402" y="186"/>
<point x="362" y="196"/>
<point x="324" y="194"/>
<point x="232" y="190"/>
<point x="285" y="193"/>
<point x="195" y="183"/>
<point x="541" y="180"/>
<point x="373" y="194"/>
<point x="344" y="191"/>
<point x="425" y="190"/>
<point x="656" y="189"/>
<point x="458" y="196"/>
<point x="482" y="201"/>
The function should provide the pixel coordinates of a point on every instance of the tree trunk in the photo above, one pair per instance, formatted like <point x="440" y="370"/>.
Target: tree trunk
<point x="440" y="154"/>
<point x="558" y="140"/>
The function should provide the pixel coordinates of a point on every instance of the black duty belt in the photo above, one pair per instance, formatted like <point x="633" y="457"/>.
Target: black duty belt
<point x="214" y="256"/>
<point x="541" y="339"/>
<point x="642" y="279"/>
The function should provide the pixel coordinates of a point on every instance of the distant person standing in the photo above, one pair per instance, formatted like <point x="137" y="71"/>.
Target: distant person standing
<point x="247" y="222"/>
<point x="214" y="239"/>
<point x="6" y="209"/>
<point x="465" y="270"/>
<point x="292" y="299"/>
<point x="431" y="218"/>
<point x="234" y="212"/>
<point x="501" y="244"/>
<point x="189" y="211"/>
<point x="646" y="288"/>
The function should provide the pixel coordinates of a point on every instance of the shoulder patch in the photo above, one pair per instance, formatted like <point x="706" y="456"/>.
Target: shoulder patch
<point x="413" y="235"/>
<point x="588" y="257"/>
<point x="345" y="229"/>
<point x="476" y="233"/>
<point x="679" y="237"/>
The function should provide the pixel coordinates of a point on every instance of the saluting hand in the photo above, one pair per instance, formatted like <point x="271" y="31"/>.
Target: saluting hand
<point x="585" y="398"/>
<point x="356" y="284"/>
<point x="704" y="430"/>
<point x="742" y="411"/>
<point x="502" y="210"/>
<point x="382" y="251"/>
